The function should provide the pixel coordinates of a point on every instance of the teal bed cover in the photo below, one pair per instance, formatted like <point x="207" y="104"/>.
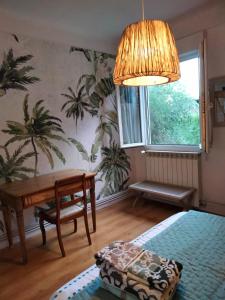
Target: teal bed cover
<point x="197" y="240"/>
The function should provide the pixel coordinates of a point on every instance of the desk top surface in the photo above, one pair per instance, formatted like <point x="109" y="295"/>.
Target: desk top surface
<point x="39" y="183"/>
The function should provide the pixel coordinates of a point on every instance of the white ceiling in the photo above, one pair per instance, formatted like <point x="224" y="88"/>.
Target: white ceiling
<point x="99" y="19"/>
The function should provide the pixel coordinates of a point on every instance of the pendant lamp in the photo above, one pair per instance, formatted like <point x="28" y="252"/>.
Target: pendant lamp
<point x="147" y="54"/>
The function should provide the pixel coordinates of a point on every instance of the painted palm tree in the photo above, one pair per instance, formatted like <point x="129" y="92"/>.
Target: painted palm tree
<point x="12" y="166"/>
<point x="103" y="89"/>
<point x="89" y="158"/>
<point x="12" y="76"/>
<point x="77" y="103"/>
<point x="108" y="122"/>
<point x="95" y="57"/>
<point x="40" y="129"/>
<point x="115" y="168"/>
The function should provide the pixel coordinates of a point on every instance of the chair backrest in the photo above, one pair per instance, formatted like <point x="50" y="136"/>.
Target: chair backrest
<point x="68" y="187"/>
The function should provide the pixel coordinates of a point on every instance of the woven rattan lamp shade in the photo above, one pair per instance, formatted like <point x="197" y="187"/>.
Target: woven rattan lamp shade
<point x="147" y="55"/>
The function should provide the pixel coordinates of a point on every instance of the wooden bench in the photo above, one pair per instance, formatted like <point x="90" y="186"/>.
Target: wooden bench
<point x="166" y="192"/>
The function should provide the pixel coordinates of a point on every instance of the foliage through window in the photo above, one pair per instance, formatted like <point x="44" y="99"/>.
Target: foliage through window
<point x="171" y="115"/>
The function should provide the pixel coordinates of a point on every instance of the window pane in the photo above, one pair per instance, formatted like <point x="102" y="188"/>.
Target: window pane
<point x="174" y="109"/>
<point x="130" y="115"/>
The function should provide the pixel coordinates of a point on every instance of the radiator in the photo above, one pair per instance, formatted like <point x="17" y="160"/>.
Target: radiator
<point x="175" y="168"/>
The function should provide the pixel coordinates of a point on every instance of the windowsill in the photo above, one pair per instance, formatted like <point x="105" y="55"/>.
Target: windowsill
<point x="173" y="150"/>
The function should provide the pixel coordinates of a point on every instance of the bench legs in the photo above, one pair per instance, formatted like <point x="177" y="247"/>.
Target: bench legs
<point x="187" y="203"/>
<point x="137" y="198"/>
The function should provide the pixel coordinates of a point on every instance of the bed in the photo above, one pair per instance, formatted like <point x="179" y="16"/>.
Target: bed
<point x="195" y="239"/>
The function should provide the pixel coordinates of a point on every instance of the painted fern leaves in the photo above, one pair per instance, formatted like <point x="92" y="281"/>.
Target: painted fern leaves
<point x="88" y="96"/>
<point x="94" y="57"/>
<point x="89" y="158"/>
<point x="12" y="166"/>
<point x="115" y="166"/>
<point x="40" y="129"/>
<point x="13" y="75"/>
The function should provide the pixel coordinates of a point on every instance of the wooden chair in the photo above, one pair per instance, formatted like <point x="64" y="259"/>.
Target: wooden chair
<point x="66" y="211"/>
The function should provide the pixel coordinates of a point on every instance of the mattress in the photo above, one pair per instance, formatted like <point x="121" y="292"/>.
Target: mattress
<point x="74" y="286"/>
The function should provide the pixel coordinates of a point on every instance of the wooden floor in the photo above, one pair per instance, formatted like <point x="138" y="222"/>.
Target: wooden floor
<point x="46" y="270"/>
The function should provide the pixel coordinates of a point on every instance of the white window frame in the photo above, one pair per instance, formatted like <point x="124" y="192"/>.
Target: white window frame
<point x="143" y="117"/>
<point x="142" y="121"/>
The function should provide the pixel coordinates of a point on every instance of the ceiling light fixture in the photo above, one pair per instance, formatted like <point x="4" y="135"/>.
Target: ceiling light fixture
<point x="147" y="54"/>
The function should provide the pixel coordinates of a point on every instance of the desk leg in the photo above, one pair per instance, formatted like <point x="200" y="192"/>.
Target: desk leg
<point x="21" y="230"/>
<point x="93" y="204"/>
<point x="7" y="221"/>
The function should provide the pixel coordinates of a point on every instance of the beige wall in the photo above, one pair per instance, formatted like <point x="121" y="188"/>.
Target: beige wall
<point x="213" y="166"/>
<point x="212" y="19"/>
<point x="11" y="22"/>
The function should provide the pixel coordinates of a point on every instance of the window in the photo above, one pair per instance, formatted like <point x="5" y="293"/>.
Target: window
<point x="164" y="117"/>
<point x="132" y="116"/>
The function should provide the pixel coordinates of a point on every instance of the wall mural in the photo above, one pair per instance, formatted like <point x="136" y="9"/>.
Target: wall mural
<point x="75" y="126"/>
<point x="40" y="129"/>
<point x="11" y="77"/>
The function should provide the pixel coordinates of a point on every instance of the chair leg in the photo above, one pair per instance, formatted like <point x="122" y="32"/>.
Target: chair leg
<point x="60" y="240"/>
<point x="42" y="227"/>
<point x="87" y="228"/>
<point x="75" y="225"/>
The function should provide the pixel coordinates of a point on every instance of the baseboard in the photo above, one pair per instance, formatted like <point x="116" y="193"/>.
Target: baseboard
<point x="34" y="229"/>
<point x="214" y="207"/>
<point x="112" y="199"/>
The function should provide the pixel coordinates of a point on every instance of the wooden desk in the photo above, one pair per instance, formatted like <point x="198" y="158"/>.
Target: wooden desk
<point x="30" y="192"/>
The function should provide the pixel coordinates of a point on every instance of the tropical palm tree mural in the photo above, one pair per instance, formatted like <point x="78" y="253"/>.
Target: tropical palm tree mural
<point x="89" y="158"/>
<point x="88" y="80"/>
<point x="40" y="128"/>
<point x="108" y="122"/>
<point x="95" y="57"/>
<point x="12" y="76"/>
<point x="12" y="166"/>
<point x="107" y="119"/>
<point x="103" y="89"/>
<point x="77" y="103"/>
<point x="115" y="166"/>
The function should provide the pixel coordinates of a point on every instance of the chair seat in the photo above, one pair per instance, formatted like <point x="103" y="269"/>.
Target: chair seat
<point x="65" y="211"/>
<point x="67" y="207"/>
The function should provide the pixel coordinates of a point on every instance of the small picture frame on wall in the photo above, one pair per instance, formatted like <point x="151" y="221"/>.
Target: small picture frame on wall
<point x="217" y="99"/>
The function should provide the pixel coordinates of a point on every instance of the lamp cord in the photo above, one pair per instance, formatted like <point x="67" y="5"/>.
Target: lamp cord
<point x="143" y="9"/>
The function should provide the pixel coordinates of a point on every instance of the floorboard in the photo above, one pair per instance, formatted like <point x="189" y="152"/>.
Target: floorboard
<point x="46" y="270"/>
